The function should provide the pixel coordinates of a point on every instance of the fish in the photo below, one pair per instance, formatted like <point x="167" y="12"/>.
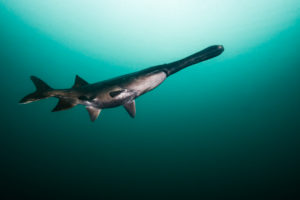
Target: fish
<point x="119" y="91"/>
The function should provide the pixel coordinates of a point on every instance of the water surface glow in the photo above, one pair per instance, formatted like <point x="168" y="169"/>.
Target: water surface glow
<point x="227" y="128"/>
<point x="157" y="29"/>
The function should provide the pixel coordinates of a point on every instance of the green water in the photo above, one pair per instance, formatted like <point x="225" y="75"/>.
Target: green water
<point x="225" y="128"/>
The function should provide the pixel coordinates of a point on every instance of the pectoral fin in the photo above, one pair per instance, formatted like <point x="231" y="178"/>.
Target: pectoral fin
<point x="93" y="112"/>
<point x="130" y="108"/>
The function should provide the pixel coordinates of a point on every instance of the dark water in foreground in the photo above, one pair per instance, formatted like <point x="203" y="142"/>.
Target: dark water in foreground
<point x="226" y="128"/>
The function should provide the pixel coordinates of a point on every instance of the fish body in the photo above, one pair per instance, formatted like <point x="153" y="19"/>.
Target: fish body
<point x="119" y="91"/>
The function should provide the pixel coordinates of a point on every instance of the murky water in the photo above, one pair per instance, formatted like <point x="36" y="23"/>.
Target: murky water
<point x="227" y="127"/>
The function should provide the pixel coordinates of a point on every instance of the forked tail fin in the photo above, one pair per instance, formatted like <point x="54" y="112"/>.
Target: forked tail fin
<point x="42" y="91"/>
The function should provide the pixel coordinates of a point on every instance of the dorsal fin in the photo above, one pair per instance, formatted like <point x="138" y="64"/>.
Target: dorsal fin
<point x="79" y="82"/>
<point x="93" y="112"/>
<point x="63" y="104"/>
<point x="130" y="108"/>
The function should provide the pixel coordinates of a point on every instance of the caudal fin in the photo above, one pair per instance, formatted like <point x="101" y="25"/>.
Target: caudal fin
<point x="42" y="91"/>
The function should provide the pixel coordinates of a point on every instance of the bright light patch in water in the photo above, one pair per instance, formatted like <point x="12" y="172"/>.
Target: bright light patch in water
<point x="151" y="28"/>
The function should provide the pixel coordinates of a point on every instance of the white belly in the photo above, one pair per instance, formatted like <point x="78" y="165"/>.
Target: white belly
<point x="146" y="83"/>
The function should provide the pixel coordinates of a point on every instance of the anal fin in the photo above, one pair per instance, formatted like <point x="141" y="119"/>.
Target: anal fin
<point x="63" y="104"/>
<point x="93" y="112"/>
<point x="130" y="108"/>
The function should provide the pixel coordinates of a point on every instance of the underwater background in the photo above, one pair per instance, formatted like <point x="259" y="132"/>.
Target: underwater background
<point x="225" y="128"/>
